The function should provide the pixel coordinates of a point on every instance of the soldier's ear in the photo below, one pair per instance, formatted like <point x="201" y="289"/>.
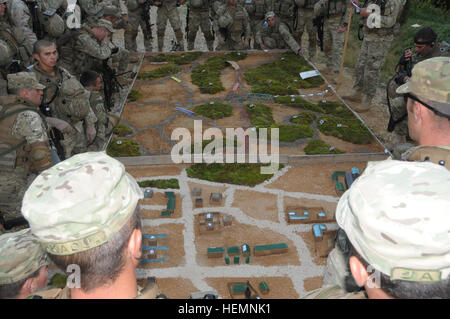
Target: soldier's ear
<point x="359" y="271"/>
<point x="134" y="245"/>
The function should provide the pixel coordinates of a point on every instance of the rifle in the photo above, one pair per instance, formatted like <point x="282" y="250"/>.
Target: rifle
<point x="110" y="83"/>
<point x="318" y="23"/>
<point x="186" y="29"/>
<point x="175" y="46"/>
<point x="37" y="27"/>
<point x="145" y="14"/>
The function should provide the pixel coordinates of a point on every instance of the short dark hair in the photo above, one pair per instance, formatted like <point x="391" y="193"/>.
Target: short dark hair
<point x="426" y="35"/>
<point x="408" y="289"/>
<point x="103" y="264"/>
<point x="88" y="78"/>
<point x="11" y="291"/>
<point x="38" y="45"/>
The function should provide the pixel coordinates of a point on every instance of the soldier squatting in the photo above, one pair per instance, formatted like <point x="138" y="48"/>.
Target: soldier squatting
<point x="57" y="87"/>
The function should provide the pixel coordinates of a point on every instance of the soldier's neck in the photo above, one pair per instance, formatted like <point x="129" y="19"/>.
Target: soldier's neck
<point x="124" y="287"/>
<point x="47" y="69"/>
<point x="434" y="140"/>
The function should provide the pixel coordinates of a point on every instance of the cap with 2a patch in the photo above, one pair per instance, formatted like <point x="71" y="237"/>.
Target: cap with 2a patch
<point x="80" y="203"/>
<point x="24" y="80"/>
<point x="20" y="256"/>
<point x="430" y="82"/>
<point x="396" y="215"/>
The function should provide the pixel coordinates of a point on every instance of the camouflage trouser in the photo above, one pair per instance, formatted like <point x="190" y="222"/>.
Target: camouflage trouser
<point x="122" y="57"/>
<point x="131" y="30"/>
<point x="305" y="20"/>
<point x="333" y="43"/>
<point x="398" y="109"/>
<point x="274" y="42"/>
<point x="199" y="18"/>
<point x="174" y="17"/>
<point x="3" y="87"/>
<point x="370" y="62"/>
<point x="74" y="142"/>
<point x="254" y="27"/>
<point x="234" y="42"/>
<point x="13" y="185"/>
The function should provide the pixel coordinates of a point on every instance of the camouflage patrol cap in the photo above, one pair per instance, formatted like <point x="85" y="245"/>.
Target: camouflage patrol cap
<point x="6" y="54"/>
<point x="396" y="215"/>
<point x="269" y="14"/>
<point x="80" y="203"/>
<point x="20" y="256"/>
<point x="110" y="11"/>
<point x="430" y="82"/>
<point x="24" y="80"/>
<point x="102" y="23"/>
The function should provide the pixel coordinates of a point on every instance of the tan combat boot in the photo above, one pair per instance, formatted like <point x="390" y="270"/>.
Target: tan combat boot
<point x="365" y="105"/>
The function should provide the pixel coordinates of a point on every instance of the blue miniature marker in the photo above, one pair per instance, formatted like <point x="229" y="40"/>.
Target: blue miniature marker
<point x="317" y="228"/>
<point x="322" y="214"/>
<point x="184" y="110"/>
<point x="355" y="171"/>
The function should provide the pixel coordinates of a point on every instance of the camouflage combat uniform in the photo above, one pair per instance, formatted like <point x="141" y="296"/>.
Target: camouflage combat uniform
<point x="277" y="37"/>
<point x="20" y="17"/>
<point x="335" y="13"/>
<point x="199" y="18"/>
<point x="305" y="16"/>
<point x="103" y="126"/>
<point x="234" y="28"/>
<point x="21" y="256"/>
<point x="135" y="20"/>
<point x="23" y="139"/>
<point x="284" y="9"/>
<point x="256" y="10"/>
<point x="333" y="292"/>
<point x="168" y="10"/>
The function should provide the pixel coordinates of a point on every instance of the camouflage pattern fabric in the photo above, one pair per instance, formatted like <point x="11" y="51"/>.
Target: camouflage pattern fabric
<point x="20" y="17"/>
<point x="277" y="37"/>
<point x="13" y="185"/>
<point x="238" y="29"/>
<point x="284" y="9"/>
<point x="20" y="256"/>
<point x="104" y="126"/>
<point x="168" y="12"/>
<point x="80" y="203"/>
<point x="396" y="217"/>
<point x="199" y="18"/>
<point x="256" y="10"/>
<point x="24" y="80"/>
<point x="305" y="23"/>
<point x="333" y="292"/>
<point x="333" y="43"/>
<point x="435" y="154"/>
<point x="131" y="30"/>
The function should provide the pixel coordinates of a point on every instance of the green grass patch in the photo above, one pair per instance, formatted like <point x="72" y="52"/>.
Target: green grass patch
<point x="134" y="95"/>
<point x="315" y="147"/>
<point x="298" y="102"/>
<point x="260" y="115"/>
<point x="161" y="183"/>
<point x="178" y="59"/>
<point x="122" y="130"/>
<point x="160" y="72"/>
<point x="337" y="109"/>
<point x="238" y="174"/>
<point x="224" y="144"/>
<point x="305" y="118"/>
<point x="291" y="133"/>
<point x="122" y="148"/>
<point x="281" y="76"/>
<point x="207" y="75"/>
<point x="214" y="111"/>
<point x="352" y="131"/>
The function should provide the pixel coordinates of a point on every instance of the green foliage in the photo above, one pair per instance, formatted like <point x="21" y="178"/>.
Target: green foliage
<point x="240" y="174"/>
<point x="352" y="131"/>
<point x="305" y="118"/>
<point x="260" y="115"/>
<point x="58" y="280"/>
<point x="161" y="183"/>
<point x="336" y="109"/>
<point x="291" y="133"/>
<point x="122" y="130"/>
<point x="122" y="148"/>
<point x="320" y="147"/>
<point x="298" y="102"/>
<point x="134" y="95"/>
<point x="214" y="111"/>
<point x="160" y="72"/>
<point x="281" y="76"/>
<point x="207" y="75"/>
<point x="224" y="144"/>
<point x="178" y="59"/>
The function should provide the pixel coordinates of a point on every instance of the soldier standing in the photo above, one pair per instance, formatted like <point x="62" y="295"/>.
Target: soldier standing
<point x="21" y="18"/>
<point x="135" y="19"/>
<point x="304" y="20"/>
<point x="234" y="27"/>
<point x="168" y="10"/>
<point x="256" y="10"/>
<point x="379" y="19"/>
<point x="284" y="9"/>
<point x="276" y="35"/>
<point x="198" y="17"/>
<point x="24" y="142"/>
<point x="335" y="22"/>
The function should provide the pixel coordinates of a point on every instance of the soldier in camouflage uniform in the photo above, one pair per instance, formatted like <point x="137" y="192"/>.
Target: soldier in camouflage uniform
<point x="378" y="36"/>
<point x="425" y="47"/>
<point x="336" y="19"/>
<point x="20" y="17"/>
<point x="89" y="201"/>
<point x="305" y="16"/>
<point x="93" y="83"/>
<point x="66" y="108"/>
<point x="135" y="8"/>
<point x="276" y="35"/>
<point x="256" y="10"/>
<point x="396" y="218"/>
<point x="23" y="140"/>
<point x="284" y="9"/>
<point x="23" y="265"/>
<point x="168" y="10"/>
<point x="199" y="18"/>
<point x="234" y="27"/>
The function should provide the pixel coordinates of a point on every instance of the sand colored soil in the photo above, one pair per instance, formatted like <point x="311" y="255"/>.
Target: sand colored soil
<point x="313" y="206"/>
<point x="206" y="191"/>
<point x="175" y="239"/>
<point x="156" y="199"/>
<point x="150" y="140"/>
<point x="308" y="238"/>
<point x="314" y="179"/>
<point x="238" y="118"/>
<point x="141" y="116"/>
<point x="313" y="283"/>
<point x="349" y="147"/>
<point x="282" y="114"/>
<point x="151" y="171"/>
<point x="257" y="205"/>
<point x="156" y="214"/>
<point x="169" y="91"/>
<point x="238" y="234"/>
<point x="280" y="287"/>
<point x="185" y="122"/>
<point x="173" y="288"/>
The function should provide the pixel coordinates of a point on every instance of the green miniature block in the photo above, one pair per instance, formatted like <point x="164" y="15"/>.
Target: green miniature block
<point x="239" y="288"/>
<point x="227" y="260"/>
<point x="247" y="259"/>
<point x="233" y="250"/>
<point x="340" y="186"/>
<point x="236" y="259"/>
<point x="166" y="213"/>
